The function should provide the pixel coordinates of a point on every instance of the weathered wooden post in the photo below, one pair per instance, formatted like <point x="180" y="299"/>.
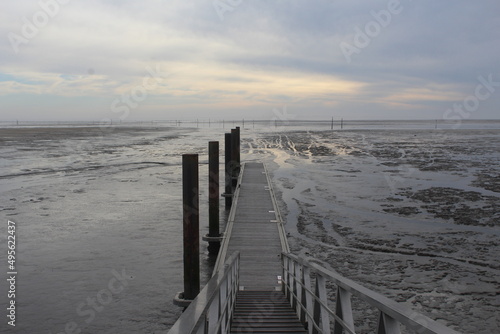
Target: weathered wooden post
<point x="191" y="222"/>
<point x="213" y="237"/>
<point x="233" y="163"/>
<point x="228" y="191"/>
<point x="238" y="151"/>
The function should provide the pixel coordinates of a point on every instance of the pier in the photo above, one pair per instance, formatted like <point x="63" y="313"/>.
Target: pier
<point x="255" y="229"/>
<point x="258" y="286"/>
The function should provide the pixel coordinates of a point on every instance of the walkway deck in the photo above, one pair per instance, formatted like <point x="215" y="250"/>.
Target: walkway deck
<point x="264" y="312"/>
<point x="255" y="230"/>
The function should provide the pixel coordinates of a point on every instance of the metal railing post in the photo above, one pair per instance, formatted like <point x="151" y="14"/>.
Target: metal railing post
<point x="309" y="304"/>
<point x="387" y="325"/>
<point x="303" y="294"/>
<point x="213" y="314"/>
<point x="343" y="310"/>
<point x="298" y="290"/>
<point x="291" y="282"/>
<point x="321" y="316"/>
<point x="296" y="286"/>
<point x="284" y="282"/>
<point x="222" y="300"/>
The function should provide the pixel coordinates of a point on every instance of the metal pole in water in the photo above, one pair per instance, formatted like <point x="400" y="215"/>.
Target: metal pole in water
<point x="213" y="197"/>
<point x="228" y="173"/>
<point x="191" y="222"/>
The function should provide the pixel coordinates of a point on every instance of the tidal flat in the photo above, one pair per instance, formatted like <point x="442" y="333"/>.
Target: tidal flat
<point x="410" y="213"/>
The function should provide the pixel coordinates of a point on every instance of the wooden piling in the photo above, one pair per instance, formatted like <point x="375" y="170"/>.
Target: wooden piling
<point x="213" y="196"/>
<point x="235" y="156"/>
<point x="228" y="173"/>
<point x="191" y="219"/>
<point x="238" y="151"/>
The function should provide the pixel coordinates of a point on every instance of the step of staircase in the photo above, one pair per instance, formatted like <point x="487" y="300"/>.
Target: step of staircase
<point x="264" y="312"/>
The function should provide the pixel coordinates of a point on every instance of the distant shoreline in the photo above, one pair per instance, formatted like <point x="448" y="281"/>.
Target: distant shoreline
<point x="282" y="123"/>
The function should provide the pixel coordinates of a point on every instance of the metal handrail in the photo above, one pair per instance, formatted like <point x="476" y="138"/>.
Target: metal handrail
<point x="229" y="226"/>
<point x="279" y="220"/>
<point x="211" y="311"/>
<point x="311" y="307"/>
<point x="317" y="328"/>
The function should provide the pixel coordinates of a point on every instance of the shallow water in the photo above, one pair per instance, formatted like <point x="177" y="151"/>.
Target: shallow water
<point x="86" y="205"/>
<point x="412" y="213"/>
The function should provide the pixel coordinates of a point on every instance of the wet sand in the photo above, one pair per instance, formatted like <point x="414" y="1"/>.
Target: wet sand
<point x="412" y="214"/>
<point x="89" y="204"/>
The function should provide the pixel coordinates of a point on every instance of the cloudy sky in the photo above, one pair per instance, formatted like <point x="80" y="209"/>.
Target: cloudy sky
<point x="234" y="59"/>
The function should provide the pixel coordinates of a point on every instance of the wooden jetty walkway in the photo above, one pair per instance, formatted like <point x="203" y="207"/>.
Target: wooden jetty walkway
<point x="255" y="229"/>
<point x="258" y="286"/>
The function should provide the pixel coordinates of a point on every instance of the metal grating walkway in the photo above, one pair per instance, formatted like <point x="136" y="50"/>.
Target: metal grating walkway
<point x="253" y="230"/>
<point x="264" y="312"/>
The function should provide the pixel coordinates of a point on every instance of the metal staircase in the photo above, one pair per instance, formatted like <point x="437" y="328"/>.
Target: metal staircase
<point x="264" y="312"/>
<point x="302" y="305"/>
